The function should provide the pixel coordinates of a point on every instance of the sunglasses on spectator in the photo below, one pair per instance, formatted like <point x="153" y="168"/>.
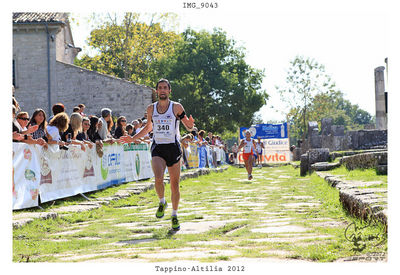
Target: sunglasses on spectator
<point x="86" y="124"/>
<point x="24" y="118"/>
<point x="123" y="120"/>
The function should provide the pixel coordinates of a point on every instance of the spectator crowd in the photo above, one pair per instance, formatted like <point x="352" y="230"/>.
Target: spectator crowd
<point x="90" y="130"/>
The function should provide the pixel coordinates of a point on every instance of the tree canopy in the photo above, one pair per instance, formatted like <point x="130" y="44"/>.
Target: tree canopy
<point x="311" y="95"/>
<point x="127" y="49"/>
<point x="210" y="77"/>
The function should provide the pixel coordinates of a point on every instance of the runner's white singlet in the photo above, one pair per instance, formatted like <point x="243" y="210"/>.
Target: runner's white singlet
<point x="258" y="147"/>
<point x="165" y="126"/>
<point x="248" y="146"/>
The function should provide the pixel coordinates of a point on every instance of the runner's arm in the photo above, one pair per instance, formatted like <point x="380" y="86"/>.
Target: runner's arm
<point x="146" y="129"/>
<point x="240" y="145"/>
<point x="187" y="122"/>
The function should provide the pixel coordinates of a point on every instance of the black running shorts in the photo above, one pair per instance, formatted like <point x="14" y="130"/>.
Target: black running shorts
<point x="170" y="152"/>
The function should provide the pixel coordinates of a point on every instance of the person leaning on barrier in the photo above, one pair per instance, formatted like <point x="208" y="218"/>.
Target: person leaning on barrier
<point x="83" y="135"/>
<point x="121" y="127"/>
<point x="92" y="132"/>
<point x="39" y="118"/>
<point x="129" y="129"/>
<point x="19" y="126"/>
<point x="17" y="137"/>
<point x="106" y="125"/>
<point x="57" y="125"/>
<point x="74" y="127"/>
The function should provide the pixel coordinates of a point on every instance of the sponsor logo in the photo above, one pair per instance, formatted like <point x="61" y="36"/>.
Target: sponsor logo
<point x="104" y="167"/>
<point x="137" y="164"/>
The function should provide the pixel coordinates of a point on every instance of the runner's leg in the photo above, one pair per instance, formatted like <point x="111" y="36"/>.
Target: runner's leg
<point x="250" y="164"/>
<point x="174" y="176"/>
<point x="247" y="164"/>
<point x="159" y="165"/>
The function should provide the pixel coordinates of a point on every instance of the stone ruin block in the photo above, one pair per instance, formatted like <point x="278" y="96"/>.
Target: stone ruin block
<point x="318" y="155"/>
<point x="303" y="164"/>
<point x="311" y="157"/>
<point x="311" y="126"/>
<point x="326" y="124"/>
<point x="315" y="141"/>
<point x="369" y="127"/>
<point x="337" y="130"/>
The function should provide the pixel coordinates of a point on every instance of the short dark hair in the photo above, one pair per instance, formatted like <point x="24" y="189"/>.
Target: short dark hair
<point x="129" y="127"/>
<point x="163" y="80"/>
<point x="58" y="108"/>
<point x="76" y="109"/>
<point x="105" y="112"/>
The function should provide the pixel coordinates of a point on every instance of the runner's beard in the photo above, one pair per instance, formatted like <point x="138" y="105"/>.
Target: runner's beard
<point x="163" y="97"/>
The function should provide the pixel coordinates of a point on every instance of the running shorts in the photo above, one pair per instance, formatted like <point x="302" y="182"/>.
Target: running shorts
<point x="246" y="156"/>
<point x="170" y="152"/>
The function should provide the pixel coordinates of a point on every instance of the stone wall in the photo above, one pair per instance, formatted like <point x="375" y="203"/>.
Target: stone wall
<point x="334" y="137"/>
<point x="30" y="57"/>
<point x="76" y="85"/>
<point x="365" y="160"/>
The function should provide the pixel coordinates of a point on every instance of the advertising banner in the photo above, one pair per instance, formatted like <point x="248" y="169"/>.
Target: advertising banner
<point x="65" y="173"/>
<point x="53" y="173"/>
<point x="192" y="155"/>
<point x="275" y="140"/>
<point x="26" y="176"/>
<point x="266" y="131"/>
<point x="202" y="156"/>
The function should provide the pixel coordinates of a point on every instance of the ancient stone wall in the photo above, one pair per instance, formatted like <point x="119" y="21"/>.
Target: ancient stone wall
<point x="76" y="85"/>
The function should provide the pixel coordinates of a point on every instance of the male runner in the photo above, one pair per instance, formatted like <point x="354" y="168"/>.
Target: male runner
<point x="248" y="151"/>
<point x="163" y="118"/>
<point x="259" y="148"/>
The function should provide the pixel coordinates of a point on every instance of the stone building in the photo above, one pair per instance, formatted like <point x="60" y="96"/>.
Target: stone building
<point x="44" y="74"/>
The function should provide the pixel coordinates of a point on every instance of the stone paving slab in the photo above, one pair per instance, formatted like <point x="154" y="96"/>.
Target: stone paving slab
<point x="21" y="219"/>
<point x="279" y="229"/>
<point x="357" y="200"/>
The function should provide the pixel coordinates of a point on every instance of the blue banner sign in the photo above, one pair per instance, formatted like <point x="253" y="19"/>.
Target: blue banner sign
<point x="266" y="131"/>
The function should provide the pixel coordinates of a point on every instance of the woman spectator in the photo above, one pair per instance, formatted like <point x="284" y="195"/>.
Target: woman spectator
<point x="83" y="136"/>
<point x="120" y="130"/>
<point x="20" y="123"/>
<point x="19" y="126"/>
<point x="39" y="118"/>
<point x="92" y="132"/>
<point x="58" y="124"/>
<point x="75" y="125"/>
<point x="17" y="137"/>
<point x="200" y="138"/>
<point x="129" y="129"/>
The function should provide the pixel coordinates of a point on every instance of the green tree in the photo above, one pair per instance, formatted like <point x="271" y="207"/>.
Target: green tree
<point x="305" y="78"/>
<point x="210" y="77"/>
<point x="311" y="95"/>
<point x="127" y="49"/>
